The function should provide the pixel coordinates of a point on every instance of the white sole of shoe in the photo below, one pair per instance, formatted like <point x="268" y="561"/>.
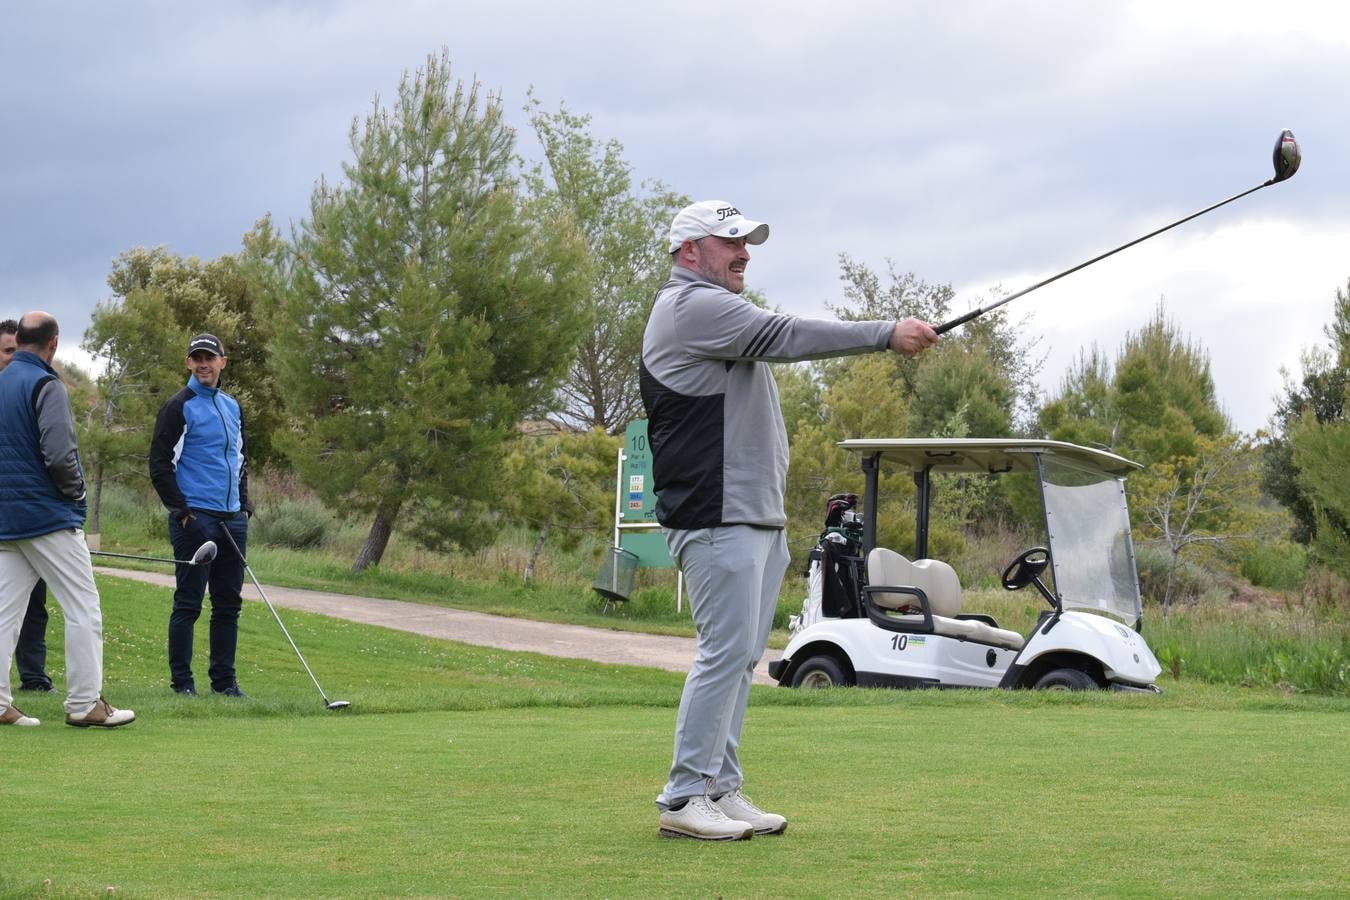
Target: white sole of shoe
<point x="738" y="836"/>
<point x="772" y="830"/>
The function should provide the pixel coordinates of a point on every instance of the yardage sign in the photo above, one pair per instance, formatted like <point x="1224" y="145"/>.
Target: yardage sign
<point x="639" y="500"/>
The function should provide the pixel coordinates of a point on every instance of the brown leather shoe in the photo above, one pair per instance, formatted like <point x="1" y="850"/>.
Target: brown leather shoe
<point x="12" y="716"/>
<point x="103" y="715"/>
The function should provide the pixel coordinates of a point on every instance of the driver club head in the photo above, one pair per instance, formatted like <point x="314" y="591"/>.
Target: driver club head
<point x="205" y="553"/>
<point x="1286" y="156"/>
<point x="337" y="704"/>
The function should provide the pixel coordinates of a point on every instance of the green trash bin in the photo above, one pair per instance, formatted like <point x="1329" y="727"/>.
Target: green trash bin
<point x="615" y="579"/>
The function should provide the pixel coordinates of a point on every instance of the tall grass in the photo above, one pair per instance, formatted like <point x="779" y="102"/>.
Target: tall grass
<point x="1287" y="647"/>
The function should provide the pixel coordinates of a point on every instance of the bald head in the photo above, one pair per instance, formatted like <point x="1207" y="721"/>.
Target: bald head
<point x="38" y="334"/>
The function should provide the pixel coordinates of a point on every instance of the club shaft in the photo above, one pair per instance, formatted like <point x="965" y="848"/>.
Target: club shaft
<point x="254" y="578"/>
<point x="179" y="562"/>
<point x="947" y="326"/>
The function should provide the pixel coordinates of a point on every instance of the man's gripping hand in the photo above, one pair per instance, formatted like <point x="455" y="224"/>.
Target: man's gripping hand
<point x="911" y="336"/>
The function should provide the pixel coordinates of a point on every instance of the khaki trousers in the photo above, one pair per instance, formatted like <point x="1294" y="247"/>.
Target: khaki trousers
<point x="62" y="560"/>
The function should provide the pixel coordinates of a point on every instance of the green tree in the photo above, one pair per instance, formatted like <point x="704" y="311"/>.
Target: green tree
<point x="851" y="406"/>
<point x="1150" y="406"/>
<point x="1320" y="453"/>
<point x="562" y="484"/>
<point x="623" y="229"/>
<point x="1317" y="396"/>
<point x="979" y="381"/>
<point x="984" y="372"/>
<point x="426" y="305"/>
<point x="1201" y="500"/>
<point x="135" y="338"/>
<point x="1166" y="393"/>
<point x="1157" y="406"/>
<point x="140" y="334"/>
<point x="799" y="395"/>
<point x="1085" y="411"/>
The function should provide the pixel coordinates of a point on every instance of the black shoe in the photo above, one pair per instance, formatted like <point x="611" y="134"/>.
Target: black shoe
<point x="232" y="690"/>
<point x="38" y="688"/>
<point x="187" y="690"/>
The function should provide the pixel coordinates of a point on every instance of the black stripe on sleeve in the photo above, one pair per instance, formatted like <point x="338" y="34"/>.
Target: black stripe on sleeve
<point x="763" y="342"/>
<point x="754" y="341"/>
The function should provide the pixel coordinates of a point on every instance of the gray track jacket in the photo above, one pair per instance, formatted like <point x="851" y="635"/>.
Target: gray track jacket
<point x="719" y="445"/>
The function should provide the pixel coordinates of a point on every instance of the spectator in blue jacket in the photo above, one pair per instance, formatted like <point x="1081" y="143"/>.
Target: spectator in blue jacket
<point x="198" y="469"/>
<point x="30" y="656"/>
<point x="42" y="525"/>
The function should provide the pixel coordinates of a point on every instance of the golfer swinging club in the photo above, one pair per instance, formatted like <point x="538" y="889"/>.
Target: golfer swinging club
<point x="720" y="461"/>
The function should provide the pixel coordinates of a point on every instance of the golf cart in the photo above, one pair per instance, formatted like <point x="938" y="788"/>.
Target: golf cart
<point x="874" y="618"/>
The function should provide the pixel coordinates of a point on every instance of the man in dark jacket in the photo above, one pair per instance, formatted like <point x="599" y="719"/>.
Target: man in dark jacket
<point x="30" y="656"/>
<point x="42" y="525"/>
<point x="197" y="467"/>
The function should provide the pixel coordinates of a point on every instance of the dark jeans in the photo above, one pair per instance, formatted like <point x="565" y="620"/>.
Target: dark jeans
<point x="30" y="655"/>
<point x="225" y="576"/>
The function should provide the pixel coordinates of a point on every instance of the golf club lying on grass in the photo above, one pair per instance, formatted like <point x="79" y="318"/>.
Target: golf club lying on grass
<point x="205" y="553"/>
<point x="1287" y="157"/>
<point x="328" y="704"/>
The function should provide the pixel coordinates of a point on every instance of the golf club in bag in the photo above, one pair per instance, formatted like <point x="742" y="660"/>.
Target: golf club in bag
<point x="328" y="704"/>
<point x="1286" y="158"/>
<point x="205" y="553"/>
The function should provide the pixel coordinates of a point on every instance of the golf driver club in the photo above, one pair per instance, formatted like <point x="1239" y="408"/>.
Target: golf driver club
<point x="205" y="553"/>
<point x="1286" y="158"/>
<point x="328" y="704"/>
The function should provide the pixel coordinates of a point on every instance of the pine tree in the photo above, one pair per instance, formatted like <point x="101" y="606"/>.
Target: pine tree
<point x="427" y="305"/>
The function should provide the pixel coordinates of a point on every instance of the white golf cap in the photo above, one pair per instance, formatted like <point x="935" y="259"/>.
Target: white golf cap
<point x="698" y="220"/>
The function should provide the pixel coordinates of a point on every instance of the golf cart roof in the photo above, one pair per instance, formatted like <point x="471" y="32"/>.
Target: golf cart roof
<point x="991" y="455"/>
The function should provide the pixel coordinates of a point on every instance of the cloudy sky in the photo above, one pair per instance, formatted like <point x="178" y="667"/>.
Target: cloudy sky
<point x="976" y="143"/>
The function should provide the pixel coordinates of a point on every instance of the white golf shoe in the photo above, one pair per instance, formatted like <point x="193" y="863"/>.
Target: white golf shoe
<point x="12" y="716"/>
<point x="701" y="819"/>
<point x="736" y="805"/>
<point x="102" y="715"/>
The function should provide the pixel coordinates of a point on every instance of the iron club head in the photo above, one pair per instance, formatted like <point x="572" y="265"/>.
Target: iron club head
<point x="1287" y="156"/>
<point x="205" y="553"/>
<point x="337" y="704"/>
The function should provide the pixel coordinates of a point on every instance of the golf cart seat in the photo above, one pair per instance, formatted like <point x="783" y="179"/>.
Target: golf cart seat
<point x="938" y="610"/>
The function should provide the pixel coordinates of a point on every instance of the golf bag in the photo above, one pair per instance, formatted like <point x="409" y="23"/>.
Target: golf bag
<point x="834" y="572"/>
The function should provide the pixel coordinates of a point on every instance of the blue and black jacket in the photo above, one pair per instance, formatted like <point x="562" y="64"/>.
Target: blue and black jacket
<point x="197" y="452"/>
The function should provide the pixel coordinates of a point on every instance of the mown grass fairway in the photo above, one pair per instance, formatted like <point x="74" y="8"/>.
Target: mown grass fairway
<point x="470" y="772"/>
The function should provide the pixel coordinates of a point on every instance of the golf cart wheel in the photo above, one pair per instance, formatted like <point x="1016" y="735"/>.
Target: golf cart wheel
<point x="1067" y="680"/>
<point x="819" y="672"/>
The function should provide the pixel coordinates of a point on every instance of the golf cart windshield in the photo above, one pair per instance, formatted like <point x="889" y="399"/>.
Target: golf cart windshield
<point x="1088" y="525"/>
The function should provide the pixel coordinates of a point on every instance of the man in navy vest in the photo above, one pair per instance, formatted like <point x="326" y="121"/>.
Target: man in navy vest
<point x="42" y="525"/>
<point x="197" y="467"/>
<point x="30" y="656"/>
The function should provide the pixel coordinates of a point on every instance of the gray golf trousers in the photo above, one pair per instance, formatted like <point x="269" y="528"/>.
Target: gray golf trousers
<point x="734" y="573"/>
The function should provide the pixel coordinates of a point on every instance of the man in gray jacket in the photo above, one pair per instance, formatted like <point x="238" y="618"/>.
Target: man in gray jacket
<point x="42" y="526"/>
<point x="719" y="461"/>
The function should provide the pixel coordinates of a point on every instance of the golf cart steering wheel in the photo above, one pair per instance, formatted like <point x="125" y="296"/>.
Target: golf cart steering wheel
<point x="1026" y="568"/>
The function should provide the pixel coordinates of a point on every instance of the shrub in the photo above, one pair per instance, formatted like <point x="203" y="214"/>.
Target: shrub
<point x="988" y="551"/>
<point x="1327" y="593"/>
<point x="297" y="524"/>
<point x="132" y="514"/>
<point x="1190" y="583"/>
<point x="1282" y="565"/>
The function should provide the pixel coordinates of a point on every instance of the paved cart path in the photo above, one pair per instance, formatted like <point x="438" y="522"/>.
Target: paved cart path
<point x="503" y="632"/>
